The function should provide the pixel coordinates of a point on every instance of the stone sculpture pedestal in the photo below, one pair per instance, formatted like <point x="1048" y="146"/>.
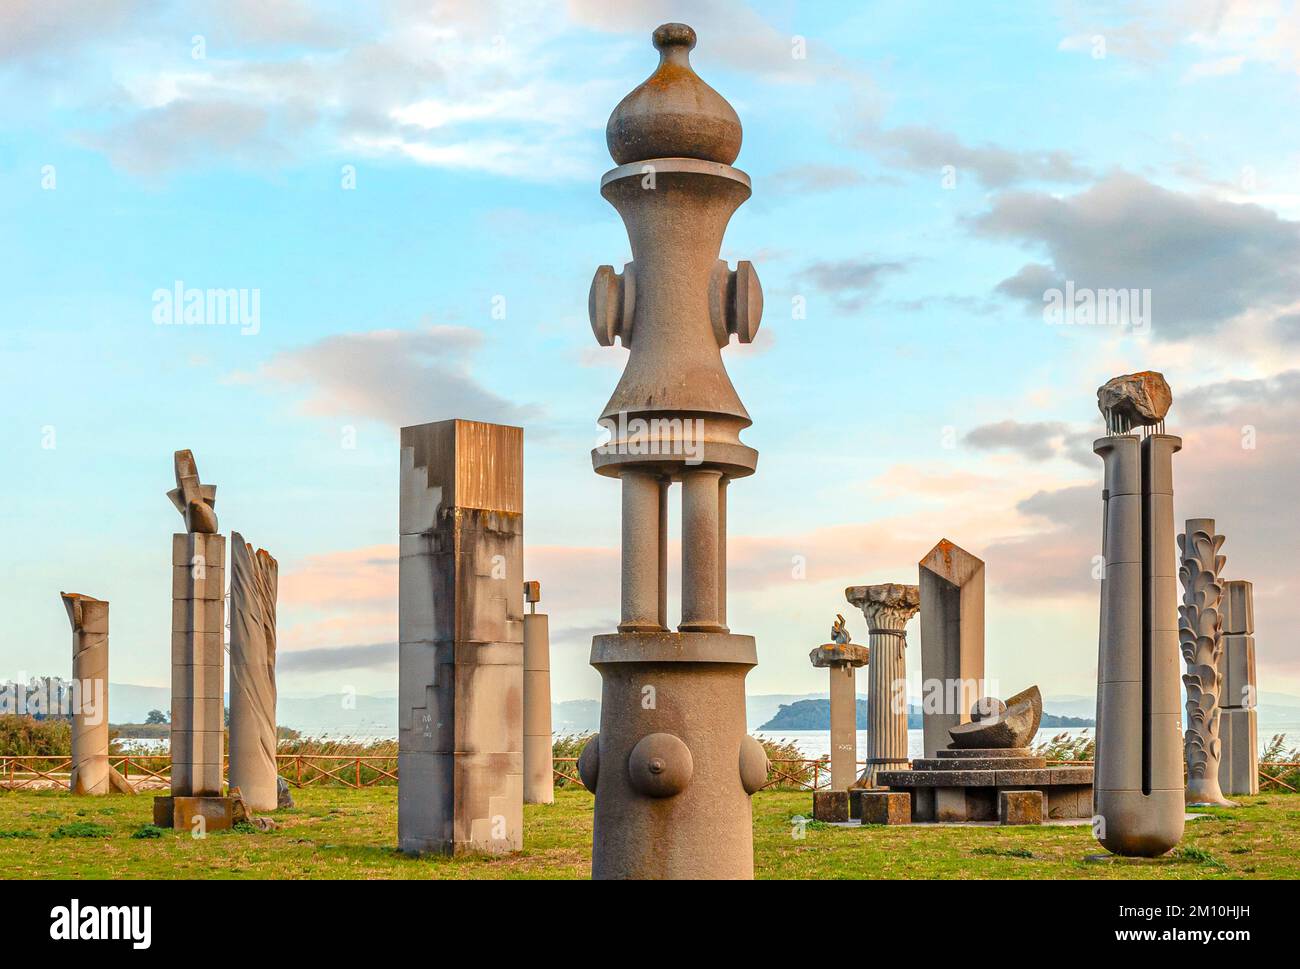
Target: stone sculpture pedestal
<point x="841" y="660"/>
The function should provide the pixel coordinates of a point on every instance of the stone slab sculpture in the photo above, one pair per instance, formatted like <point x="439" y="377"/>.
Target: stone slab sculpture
<point x="1200" y="637"/>
<point x="254" y="582"/>
<point x="539" y="765"/>
<point x="841" y="658"/>
<point x="951" y="592"/>
<point x="673" y="767"/>
<point x="1139" y="761"/>
<point x="887" y="608"/>
<point x="998" y="725"/>
<point x="198" y="658"/>
<point x="1238" y="728"/>
<point x="91" y="773"/>
<point x="460" y="639"/>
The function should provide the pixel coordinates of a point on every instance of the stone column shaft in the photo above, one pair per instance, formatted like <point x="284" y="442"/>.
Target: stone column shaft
<point x="844" y="727"/>
<point x="1200" y="637"/>
<point x="198" y="663"/>
<point x="700" y="551"/>
<point x="1238" y="727"/>
<point x="539" y="776"/>
<point x="641" y="554"/>
<point x="90" y="768"/>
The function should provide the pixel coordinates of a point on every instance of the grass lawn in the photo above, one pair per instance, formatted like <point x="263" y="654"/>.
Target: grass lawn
<point x="344" y="833"/>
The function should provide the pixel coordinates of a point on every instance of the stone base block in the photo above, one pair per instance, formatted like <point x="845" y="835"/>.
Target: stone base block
<point x="1020" y="807"/>
<point x="885" y="807"/>
<point x="830" y="805"/>
<point x="181" y="813"/>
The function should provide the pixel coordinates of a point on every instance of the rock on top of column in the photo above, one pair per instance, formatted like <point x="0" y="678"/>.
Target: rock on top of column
<point x="673" y="114"/>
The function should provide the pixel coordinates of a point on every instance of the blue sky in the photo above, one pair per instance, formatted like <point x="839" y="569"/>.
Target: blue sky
<point x="922" y="173"/>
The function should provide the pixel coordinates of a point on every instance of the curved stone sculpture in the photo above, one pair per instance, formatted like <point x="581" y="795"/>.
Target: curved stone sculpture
<point x="253" y="586"/>
<point x="1012" y="726"/>
<point x="887" y="607"/>
<point x="1200" y="636"/>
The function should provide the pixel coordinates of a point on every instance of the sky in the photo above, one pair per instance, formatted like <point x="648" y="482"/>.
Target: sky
<point x="406" y="196"/>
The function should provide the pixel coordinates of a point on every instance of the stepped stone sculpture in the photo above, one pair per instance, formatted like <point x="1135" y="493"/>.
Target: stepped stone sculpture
<point x="841" y="658"/>
<point x="951" y="592"/>
<point x="673" y="767"/>
<point x="89" y="618"/>
<point x="1139" y="760"/>
<point x="1200" y="636"/>
<point x="1238" y="729"/>
<point x="887" y="608"/>
<point x="198" y="659"/>
<point x="461" y="640"/>
<point x="253" y="587"/>
<point x="539" y="766"/>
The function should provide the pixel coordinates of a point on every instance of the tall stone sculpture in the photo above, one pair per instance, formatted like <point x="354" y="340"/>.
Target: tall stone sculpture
<point x="90" y="770"/>
<point x="253" y="586"/>
<point x="1238" y="729"/>
<point x="841" y="658"/>
<point x="461" y="643"/>
<point x="951" y="592"/>
<point x="1200" y="635"/>
<point x="887" y="608"/>
<point x="1139" y="761"/>
<point x="673" y="768"/>
<point x="539" y="764"/>
<point x="198" y="659"/>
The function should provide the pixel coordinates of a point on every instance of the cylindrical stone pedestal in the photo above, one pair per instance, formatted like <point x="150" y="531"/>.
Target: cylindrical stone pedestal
<point x="539" y="776"/>
<point x="89" y="618"/>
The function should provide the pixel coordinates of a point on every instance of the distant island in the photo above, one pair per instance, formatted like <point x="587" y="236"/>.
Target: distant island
<point x="816" y="715"/>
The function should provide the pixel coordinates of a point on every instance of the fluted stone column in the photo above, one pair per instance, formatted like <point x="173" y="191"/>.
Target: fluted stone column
<point x="887" y="609"/>
<point x="1200" y="636"/>
<point x="539" y="763"/>
<point x="254" y="581"/>
<point x="1238" y="728"/>
<point x="90" y="770"/>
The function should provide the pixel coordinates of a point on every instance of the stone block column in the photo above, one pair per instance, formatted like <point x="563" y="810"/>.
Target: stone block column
<point x="539" y="763"/>
<point x="198" y="663"/>
<point x="1238" y="728"/>
<point x="461" y="639"/>
<point x="887" y="609"/>
<point x="951" y="592"/>
<point x="254" y="583"/>
<point x="90" y="770"/>
<point x="841" y="660"/>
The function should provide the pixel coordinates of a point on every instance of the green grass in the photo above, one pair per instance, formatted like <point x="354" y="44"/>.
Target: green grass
<point x="344" y="833"/>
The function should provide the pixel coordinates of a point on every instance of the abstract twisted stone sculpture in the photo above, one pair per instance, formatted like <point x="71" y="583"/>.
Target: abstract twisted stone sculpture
<point x="841" y="658"/>
<point x="997" y="725"/>
<point x="254" y="581"/>
<point x="952" y="640"/>
<point x="1139" y="760"/>
<point x="1135" y="400"/>
<point x="1200" y="636"/>
<point x="539" y="766"/>
<point x="887" y="608"/>
<point x="460" y="639"/>
<point x="673" y="767"/>
<point x="1238" y="729"/>
<point x="90" y="769"/>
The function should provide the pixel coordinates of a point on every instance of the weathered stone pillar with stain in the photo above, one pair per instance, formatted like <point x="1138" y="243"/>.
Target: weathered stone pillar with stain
<point x="1238" y="728"/>
<point x="253" y="587"/>
<point x="460" y="652"/>
<point x="673" y="767"/>
<point x="841" y="658"/>
<point x="539" y="765"/>
<point x="887" y="608"/>
<point x="90" y="770"/>
<point x="1138" y="781"/>
<point x="1200" y="636"/>
<point x="951" y="592"/>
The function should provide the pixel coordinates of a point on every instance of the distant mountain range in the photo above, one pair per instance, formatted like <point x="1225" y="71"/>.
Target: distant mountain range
<point x="816" y="715"/>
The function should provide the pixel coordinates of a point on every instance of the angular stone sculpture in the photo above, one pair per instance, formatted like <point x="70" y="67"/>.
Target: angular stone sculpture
<point x="1135" y="400"/>
<point x="461" y="641"/>
<point x="887" y="608"/>
<point x="672" y="767"/>
<point x="998" y="725"/>
<point x="539" y="765"/>
<point x="1238" y="729"/>
<point x="841" y="658"/>
<point x="1139" y="760"/>
<point x="952" y="640"/>
<point x="90" y="769"/>
<point x="1200" y="636"/>
<point x="253" y="588"/>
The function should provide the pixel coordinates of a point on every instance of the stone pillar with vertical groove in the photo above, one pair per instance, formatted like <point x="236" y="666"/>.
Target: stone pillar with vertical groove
<point x="951" y="590"/>
<point x="887" y="608"/>
<point x="91" y="773"/>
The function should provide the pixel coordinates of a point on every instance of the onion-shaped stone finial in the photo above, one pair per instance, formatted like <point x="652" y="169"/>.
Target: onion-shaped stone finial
<point x="673" y="114"/>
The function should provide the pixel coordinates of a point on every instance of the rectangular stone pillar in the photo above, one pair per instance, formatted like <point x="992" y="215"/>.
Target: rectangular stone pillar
<point x="539" y="762"/>
<point x="90" y="772"/>
<point x="1238" y="728"/>
<point x="844" y="727"/>
<point x="460" y="654"/>
<point x="198" y="663"/>
<point x="952" y="640"/>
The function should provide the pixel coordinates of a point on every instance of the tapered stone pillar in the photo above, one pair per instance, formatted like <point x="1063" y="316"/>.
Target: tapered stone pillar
<point x="254" y="581"/>
<point x="841" y="660"/>
<point x="1138" y="782"/>
<point x="539" y="764"/>
<point x="1238" y="729"/>
<point x="887" y="609"/>
<point x="673" y="767"/>
<point x="951" y="592"/>
<point x="90" y="770"/>
<point x="461" y="639"/>
<point x="1200" y="636"/>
